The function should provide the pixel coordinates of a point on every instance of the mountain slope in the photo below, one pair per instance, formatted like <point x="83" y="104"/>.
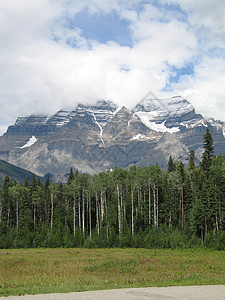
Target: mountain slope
<point x="14" y="173"/>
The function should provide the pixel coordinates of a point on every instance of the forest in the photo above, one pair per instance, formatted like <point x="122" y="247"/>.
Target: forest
<point x="181" y="207"/>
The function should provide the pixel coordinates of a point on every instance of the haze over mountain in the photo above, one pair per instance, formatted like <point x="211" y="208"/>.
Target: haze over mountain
<point x="95" y="138"/>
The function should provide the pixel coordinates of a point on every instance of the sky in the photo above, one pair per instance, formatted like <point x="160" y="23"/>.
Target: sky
<point x="55" y="54"/>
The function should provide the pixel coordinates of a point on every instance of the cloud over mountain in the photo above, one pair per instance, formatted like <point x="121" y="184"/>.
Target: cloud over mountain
<point x="57" y="54"/>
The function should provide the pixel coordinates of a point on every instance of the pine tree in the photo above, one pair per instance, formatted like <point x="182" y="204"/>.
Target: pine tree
<point x="208" y="153"/>
<point x="39" y="183"/>
<point x="6" y="200"/>
<point x="182" y="180"/>
<point x="60" y="193"/>
<point x="33" y="184"/>
<point x="192" y="167"/>
<point x="191" y="163"/>
<point x="171" y="165"/>
<point x="46" y="200"/>
<point x="70" y="177"/>
<point x="26" y="182"/>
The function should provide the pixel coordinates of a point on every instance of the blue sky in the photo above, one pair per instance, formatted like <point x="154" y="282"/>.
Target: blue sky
<point x="103" y="27"/>
<point x="78" y="51"/>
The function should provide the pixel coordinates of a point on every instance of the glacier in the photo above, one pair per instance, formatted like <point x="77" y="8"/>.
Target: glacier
<point x="31" y="142"/>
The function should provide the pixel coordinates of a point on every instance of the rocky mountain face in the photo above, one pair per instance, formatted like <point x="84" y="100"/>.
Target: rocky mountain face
<point x="95" y="138"/>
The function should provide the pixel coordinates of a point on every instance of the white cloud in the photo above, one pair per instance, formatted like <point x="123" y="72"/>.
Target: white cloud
<point x="208" y="16"/>
<point x="42" y="72"/>
<point x="164" y="43"/>
<point x="206" y="89"/>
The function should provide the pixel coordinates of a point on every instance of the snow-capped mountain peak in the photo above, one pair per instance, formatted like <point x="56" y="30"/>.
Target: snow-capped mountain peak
<point x="164" y="115"/>
<point x="103" y="110"/>
<point x="165" y="107"/>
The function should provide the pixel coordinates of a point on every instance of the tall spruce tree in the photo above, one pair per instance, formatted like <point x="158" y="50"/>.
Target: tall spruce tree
<point x="171" y="165"/>
<point x="33" y="184"/>
<point x="181" y="173"/>
<point x="208" y="153"/>
<point x="6" y="200"/>
<point x="192" y="168"/>
<point x="70" y="177"/>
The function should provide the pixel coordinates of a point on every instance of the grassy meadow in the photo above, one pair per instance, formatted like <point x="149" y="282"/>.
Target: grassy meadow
<point x="33" y="271"/>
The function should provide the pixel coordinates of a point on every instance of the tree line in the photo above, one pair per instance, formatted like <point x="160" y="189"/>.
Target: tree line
<point x="183" y="206"/>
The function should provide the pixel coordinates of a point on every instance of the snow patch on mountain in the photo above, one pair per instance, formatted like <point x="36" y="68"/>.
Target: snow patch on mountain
<point x="100" y="127"/>
<point x="31" y="142"/>
<point x="165" y="107"/>
<point x="198" y="123"/>
<point x="165" y="115"/>
<point x="117" y="110"/>
<point x="59" y="119"/>
<point x="103" y="110"/>
<point x="139" y="137"/>
<point x="146" y="118"/>
<point x="220" y="125"/>
<point x="20" y="120"/>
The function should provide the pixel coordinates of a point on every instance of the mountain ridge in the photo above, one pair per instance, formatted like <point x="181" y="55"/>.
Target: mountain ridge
<point x="95" y="138"/>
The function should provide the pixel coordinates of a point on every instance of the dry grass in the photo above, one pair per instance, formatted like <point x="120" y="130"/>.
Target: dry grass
<point x="65" y="270"/>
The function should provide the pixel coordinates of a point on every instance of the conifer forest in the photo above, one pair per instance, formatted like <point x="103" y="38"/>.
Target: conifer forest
<point x="181" y="207"/>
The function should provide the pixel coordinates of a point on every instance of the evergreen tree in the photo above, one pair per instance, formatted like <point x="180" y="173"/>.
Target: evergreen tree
<point x="208" y="153"/>
<point x="171" y="165"/>
<point x="70" y="177"/>
<point x="191" y="163"/>
<point x="1" y="203"/>
<point x="26" y="182"/>
<point x="14" y="194"/>
<point x="39" y="183"/>
<point x="192" y="168"/>
<point x="6" y="203"/>
<point x="47" y="201"/>
<point x="181" y="172"/>
<point x="60" y="193"/>
<point x="33" y="184"/>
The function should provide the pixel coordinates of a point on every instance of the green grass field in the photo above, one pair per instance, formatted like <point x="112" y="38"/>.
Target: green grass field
<point x="33" y="271"/>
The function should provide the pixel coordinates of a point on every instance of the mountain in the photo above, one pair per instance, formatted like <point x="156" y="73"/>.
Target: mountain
<point x="95" y="138"/>
<point x="14" y="173"/>
<point x="167" y="115"/>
